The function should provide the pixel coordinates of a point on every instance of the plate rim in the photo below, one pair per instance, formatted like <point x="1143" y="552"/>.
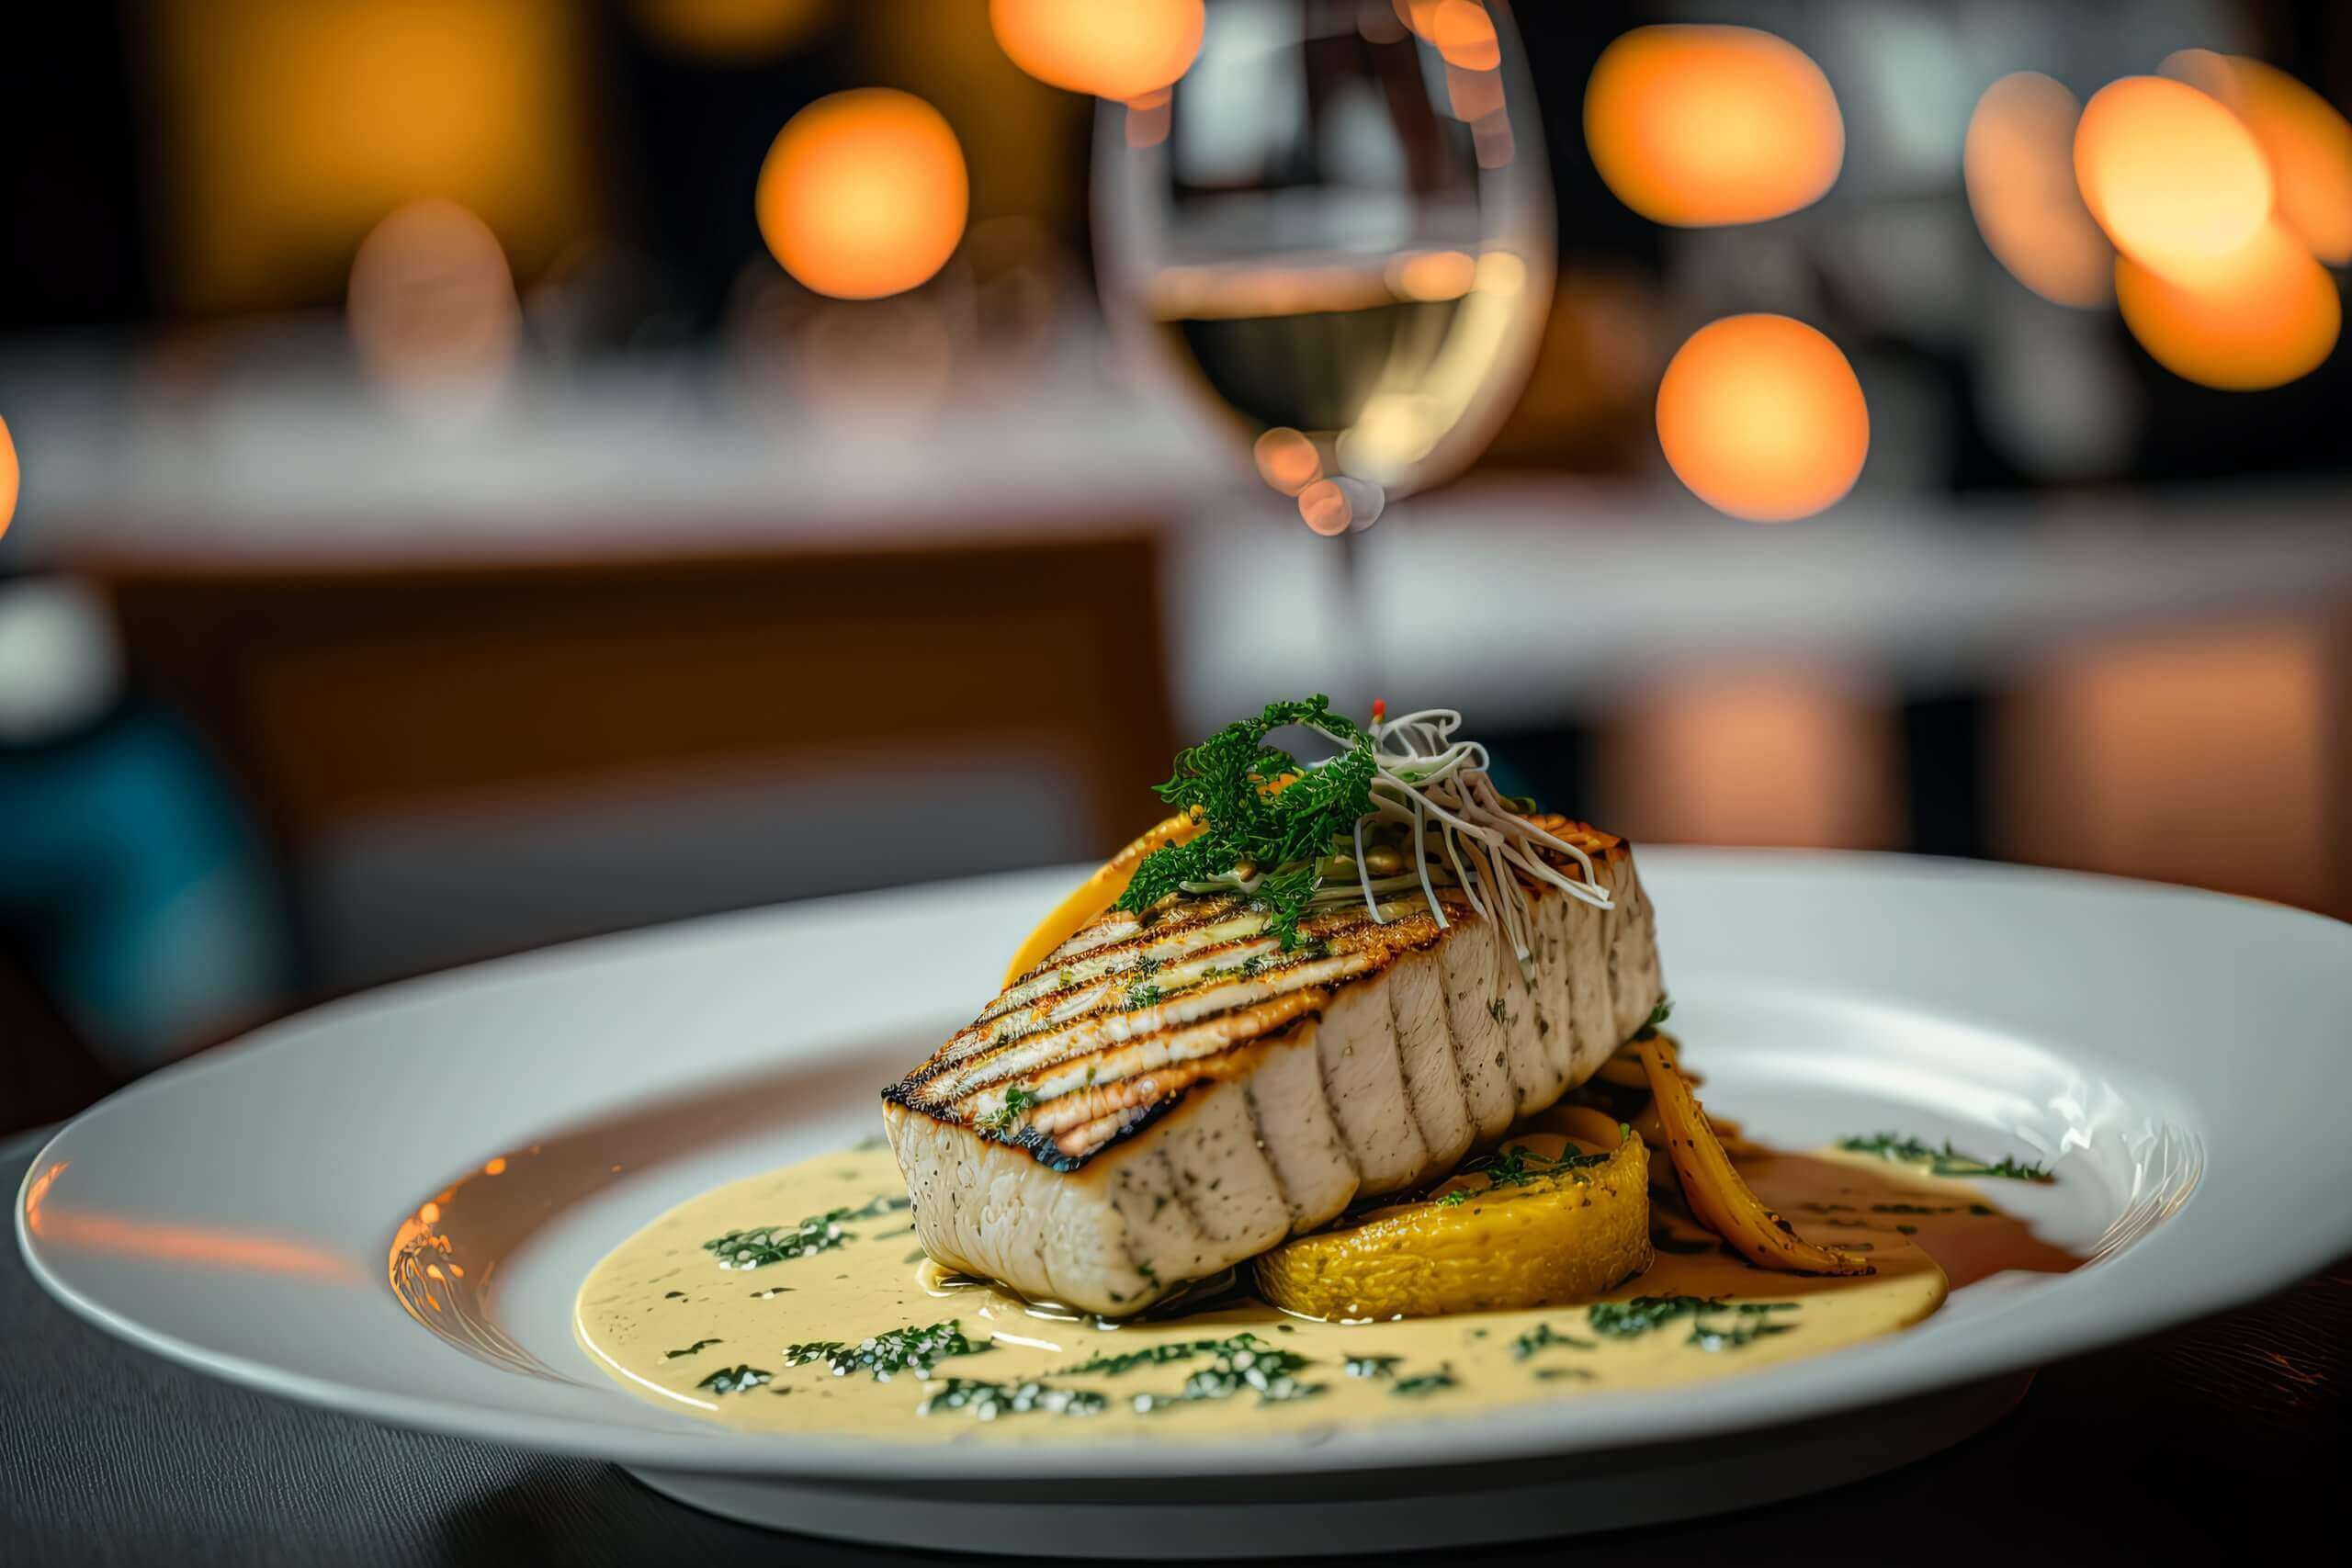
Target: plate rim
<point x="2057" y="1323"/>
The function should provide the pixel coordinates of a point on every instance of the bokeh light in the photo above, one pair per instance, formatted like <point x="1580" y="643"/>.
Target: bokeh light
<point x="864" y="194"/>
<point x="1287" y="459"/>
<point x="2174" y="177"/>
<point x="1333" y="506"/>
<point x="1462" y="32"/>
<point x="1763" y="418"/>
<point x="2261" y="317"/>
<point x="1112" y="49"/>
<point x="733" y="29"/>
<point x="1701" y="125"/>
<point x="2307" y="141"/>
<point x="432" y="302"/>
<point x="2018" y="162"/>
<point x="10" y="478"/>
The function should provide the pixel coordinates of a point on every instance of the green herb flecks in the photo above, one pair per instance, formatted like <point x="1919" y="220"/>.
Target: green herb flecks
<point x="781" y="1243"/>
<point x="1544" y="1337"/>
<point x="1944" y="1161"/>
<point x="1372" y="1366"/>
<point x="735" y="1380"/>
<point x="1716" y="1324"/>
<point x="987" y="1401"/>
<point x="698" y="1347"/>
<point x="1272" y="1374"/>
<point x="1423" y="1385"/>
<point x="1161" y="1355"/>
<point x="1225" y="781"/>
<point x="1018" y="1102"/>
<point x="883" y="1356"/>
<point x="1658" y="1015"/>
<point x="1518" y="1166"/>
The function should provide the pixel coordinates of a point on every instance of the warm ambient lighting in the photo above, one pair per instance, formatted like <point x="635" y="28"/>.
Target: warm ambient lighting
<point x="1762" y="417"/>
<point x="1112" y="49"/>
<point x="10" y="478"/>
<point x="2019" y="164"/>
<point x="733" y="29"/>
<point x="432" y="304"/>
<point x="1287" y="459"/>
<point x="2307" y="142"/>
<point x="864" y="194"/>
<point x="2261" y="317"/>
<point x="1701" y="125"/>
<point x="2174" y="177"/>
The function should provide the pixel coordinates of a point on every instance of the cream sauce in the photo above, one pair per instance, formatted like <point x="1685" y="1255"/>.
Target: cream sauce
<point x="665" y="1318"/>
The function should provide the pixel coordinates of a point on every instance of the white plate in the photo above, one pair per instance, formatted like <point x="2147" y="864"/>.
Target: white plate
<point x="253" y="1214"/>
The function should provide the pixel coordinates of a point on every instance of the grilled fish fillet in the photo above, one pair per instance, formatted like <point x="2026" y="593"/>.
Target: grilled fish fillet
<point x="1168" y="1095"/>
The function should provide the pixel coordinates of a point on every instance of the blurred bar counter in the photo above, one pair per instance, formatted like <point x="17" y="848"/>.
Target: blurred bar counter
<point x="560" y="669"/>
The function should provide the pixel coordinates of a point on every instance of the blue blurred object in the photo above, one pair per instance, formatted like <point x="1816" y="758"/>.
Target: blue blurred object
<point x="132" y="885"/>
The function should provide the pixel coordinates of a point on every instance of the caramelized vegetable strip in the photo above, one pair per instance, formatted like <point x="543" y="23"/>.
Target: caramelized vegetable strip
<point x="1099" y="892"/>
<point x="1717" y="1195"/>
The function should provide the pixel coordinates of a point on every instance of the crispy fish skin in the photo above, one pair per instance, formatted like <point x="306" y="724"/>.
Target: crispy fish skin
<point x="1171" y="1094"/>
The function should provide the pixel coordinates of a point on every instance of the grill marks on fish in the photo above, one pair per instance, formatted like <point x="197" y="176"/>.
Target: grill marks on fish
<point x="1092" y="1143"/>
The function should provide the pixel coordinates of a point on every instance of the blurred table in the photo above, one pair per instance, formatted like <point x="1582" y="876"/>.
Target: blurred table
<point x="2222" y="1437"/>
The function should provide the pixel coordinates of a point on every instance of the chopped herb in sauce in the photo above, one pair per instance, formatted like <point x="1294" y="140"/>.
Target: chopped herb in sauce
<point x="1709" y="1331"/>
<point x="698" y="1345"/>
<point x="674" y="1296"/>
<point x="1423" y="1385"/>
<point x="1161" y="1355"/>
<point x="987" y="1401"/>
<point x="735" y="1380"/>
<point x="1553" y="1374"/>
<point x="780" y="1244"/>
<point x="1373" y="1366"/>
<point x="1544" y="1337"/>
<point x="1945" y="1161"/>
<point x="1658" y="1015"/>
<point x="882" y="1356"/>
<point x="1272" y="1374"/>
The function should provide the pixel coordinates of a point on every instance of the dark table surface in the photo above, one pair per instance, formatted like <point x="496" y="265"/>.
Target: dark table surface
<point x="2216" y="1437"/>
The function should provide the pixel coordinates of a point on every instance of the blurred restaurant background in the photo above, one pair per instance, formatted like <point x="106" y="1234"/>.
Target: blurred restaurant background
<point x="477" y="473"/>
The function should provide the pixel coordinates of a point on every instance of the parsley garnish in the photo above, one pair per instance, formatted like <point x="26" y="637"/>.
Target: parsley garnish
<point x="1372" y="1366"/>
<point x="1518" y="1165"/>
<point x="1543" y="1335"/>
<point x="1225" y="779"/>
<point x="1658" y="1015"/>
<point x="1946" y="1161"/>
<point x="735" y="1380"/>
<point x="987" y="1401"/>
<point x="698" y="1345"/>
<point x="908" y="1349"/>
<point x="779" y="1244"/>
<point x="1159" y="1355"/>
<point x="1018" y="1102"/>
<point x="1629" y="1320"/>
<point x="1273" y="1374"/>
<point x="1425" y="1383"/>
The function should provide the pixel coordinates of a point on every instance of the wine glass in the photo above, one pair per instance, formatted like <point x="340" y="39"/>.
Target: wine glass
<point x="1335" y="230"/>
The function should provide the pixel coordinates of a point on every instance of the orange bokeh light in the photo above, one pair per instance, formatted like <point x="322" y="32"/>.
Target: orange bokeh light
<point x="1112" y="49"/>
<point x="1462" y="32"/>
<point x="2019" y="168"/>
<point x="1701" y="125"/>
<point x="2260" y="317"/>
<point x="2174" y="177"/>
<point x="2307" y="141"/>
<point x="864" y="194"/>
<point x="1287" y="459"/>
<point x="10" y="478"/>
<point x="1763" y="418"/>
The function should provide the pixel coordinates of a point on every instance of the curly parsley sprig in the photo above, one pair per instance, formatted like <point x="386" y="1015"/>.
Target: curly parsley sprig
<point x="1228" y="780"/>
